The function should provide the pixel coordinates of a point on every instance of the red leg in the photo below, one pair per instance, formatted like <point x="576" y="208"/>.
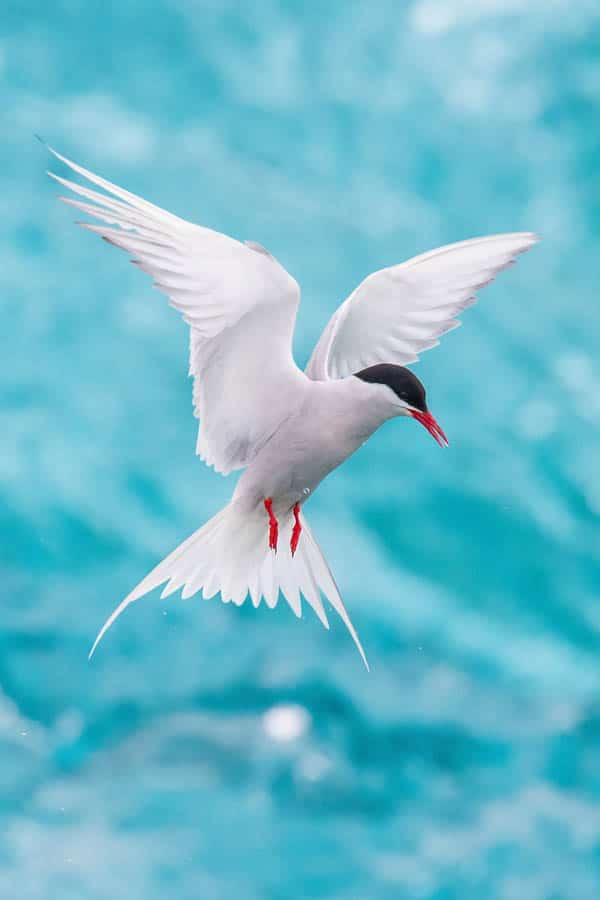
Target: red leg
<point x="273" y="525"/>
<point x="297" y="530"/>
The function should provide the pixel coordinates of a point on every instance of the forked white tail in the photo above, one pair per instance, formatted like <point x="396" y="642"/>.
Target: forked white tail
<point x="230" y="555"/>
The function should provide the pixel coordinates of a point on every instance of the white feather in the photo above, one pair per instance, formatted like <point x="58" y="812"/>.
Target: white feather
<point x="227" y="553"/>
<point x="397" y="313"/>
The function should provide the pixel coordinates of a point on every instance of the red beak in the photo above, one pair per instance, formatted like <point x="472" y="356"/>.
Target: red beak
<point x="426" y="419"/>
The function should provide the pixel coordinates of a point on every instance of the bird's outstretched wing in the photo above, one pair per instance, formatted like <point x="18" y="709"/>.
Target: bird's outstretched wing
<point x="396" y="313"/>
<point x="239" y="302"/>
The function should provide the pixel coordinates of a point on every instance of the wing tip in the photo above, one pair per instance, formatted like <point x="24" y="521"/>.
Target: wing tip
<point x="530" y="238"/>
<point x="47" y="146"/>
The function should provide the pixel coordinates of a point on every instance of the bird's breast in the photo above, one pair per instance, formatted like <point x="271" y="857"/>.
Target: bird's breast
<point x="300" y="455"/>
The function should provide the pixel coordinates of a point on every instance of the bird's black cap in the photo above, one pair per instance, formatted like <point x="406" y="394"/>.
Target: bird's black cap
<point x="402" y="381"/>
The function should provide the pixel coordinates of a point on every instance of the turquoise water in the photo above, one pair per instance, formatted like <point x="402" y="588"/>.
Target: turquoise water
<point x="215" y="753"/>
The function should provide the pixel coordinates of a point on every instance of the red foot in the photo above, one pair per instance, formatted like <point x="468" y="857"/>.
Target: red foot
<point x="297" y="530"/>
<point x="273" y="525"/>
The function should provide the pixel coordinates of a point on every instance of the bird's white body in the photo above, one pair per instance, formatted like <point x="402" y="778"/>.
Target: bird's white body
<point x="288" y="429"/>
<point x="326" y="423"/>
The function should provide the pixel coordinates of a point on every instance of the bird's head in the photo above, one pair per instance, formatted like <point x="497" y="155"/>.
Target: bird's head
<point x="406" y="394"/>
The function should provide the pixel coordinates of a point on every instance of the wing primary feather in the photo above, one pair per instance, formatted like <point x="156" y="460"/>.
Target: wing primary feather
<point x="127" y="196"/>
<point x="129" y="223"/>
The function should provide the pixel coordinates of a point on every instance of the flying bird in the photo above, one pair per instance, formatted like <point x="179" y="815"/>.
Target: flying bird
<point x="287" y="428"/>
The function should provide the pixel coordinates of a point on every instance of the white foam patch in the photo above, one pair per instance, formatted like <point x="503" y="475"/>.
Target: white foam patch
<point x="286" y="722"/>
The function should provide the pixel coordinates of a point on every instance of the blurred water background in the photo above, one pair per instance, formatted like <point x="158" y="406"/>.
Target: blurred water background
<point x="216" y="753"/>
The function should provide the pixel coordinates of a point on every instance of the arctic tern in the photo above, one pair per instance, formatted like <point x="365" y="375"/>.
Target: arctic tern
<point x="258" y="411"/>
